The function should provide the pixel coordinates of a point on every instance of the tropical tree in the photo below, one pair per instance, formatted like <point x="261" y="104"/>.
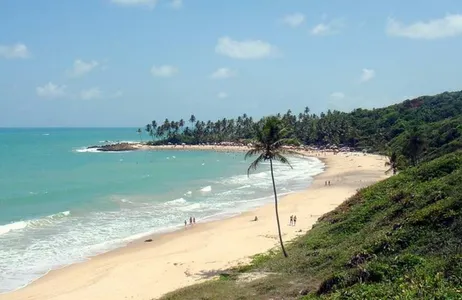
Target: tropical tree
<point x="270" y="138"/>
<point x="392" y="163"/>
<point x="414" y="146"/>
<point x="154" y="125"/>
<point x="192" y="120"/>
<point x="140" y="132"/>
<point x="150" y="131"/>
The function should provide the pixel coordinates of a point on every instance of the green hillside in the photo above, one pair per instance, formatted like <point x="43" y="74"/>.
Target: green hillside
<point x="398" y="239"/>
<point x="374" y="129"/>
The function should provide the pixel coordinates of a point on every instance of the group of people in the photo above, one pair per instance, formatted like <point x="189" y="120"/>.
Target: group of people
<point x="327" y="182"/>
<point x="293" y="220"/>
<point x="192" y="220"/>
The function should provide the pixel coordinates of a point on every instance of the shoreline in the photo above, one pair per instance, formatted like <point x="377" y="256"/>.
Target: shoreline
<point x="70" y="282"/>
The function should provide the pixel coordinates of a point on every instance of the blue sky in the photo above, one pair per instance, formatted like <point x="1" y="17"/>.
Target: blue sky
<point x="126" y="62"/>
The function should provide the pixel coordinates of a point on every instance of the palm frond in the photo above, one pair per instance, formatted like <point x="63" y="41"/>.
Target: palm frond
<point x="284" y="132"/>
<point x="255" y="163"/>
<point x="279" y="157"/>
<point x="255" y="150"/>
<point x="388" y="171"/>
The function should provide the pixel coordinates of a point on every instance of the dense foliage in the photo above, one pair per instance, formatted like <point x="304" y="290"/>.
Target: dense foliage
<point x="423" y="127"/>
<point x="360" y="128"/>
<point x="398" y="239"/>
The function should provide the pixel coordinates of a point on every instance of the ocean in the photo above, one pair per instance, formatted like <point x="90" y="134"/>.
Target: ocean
<point x="61" y="204"/>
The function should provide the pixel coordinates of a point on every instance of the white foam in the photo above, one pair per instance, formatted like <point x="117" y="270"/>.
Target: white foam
<point x="32" y="223"/>
<point x="12" y="226"/>
<point x="206" y="189"/>
<point x="76" y="238"/>
<point x="176" y="202"/>
<point x="91" y="150"/>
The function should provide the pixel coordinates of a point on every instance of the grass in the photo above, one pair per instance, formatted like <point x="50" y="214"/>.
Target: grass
<point x="398" y="239"/>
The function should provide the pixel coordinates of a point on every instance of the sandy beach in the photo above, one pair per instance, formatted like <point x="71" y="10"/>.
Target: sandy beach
<point x="147" y="270"/>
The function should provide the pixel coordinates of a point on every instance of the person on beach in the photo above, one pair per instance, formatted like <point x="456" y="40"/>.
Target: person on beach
<point x="295" y="220"/>
<point x="190" y="221"/>
<point x="185" y="223"/>
<point x="328" y="182"/>
<point x="194" y="220"/>
<point x="291" y="220"/>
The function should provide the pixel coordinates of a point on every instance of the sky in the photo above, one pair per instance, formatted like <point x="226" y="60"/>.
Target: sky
<point x="117" y="63"/>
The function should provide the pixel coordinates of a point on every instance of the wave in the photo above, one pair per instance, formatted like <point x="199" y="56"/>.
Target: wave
<point x="125" y="201"/>
<point x="12" y="226"/>
<point x="176" y="202"/>
<point x="89" y="233"/>
<point x="206" y="189"/>
<point x="83" y="150"/>
<point x="33" y="223"/>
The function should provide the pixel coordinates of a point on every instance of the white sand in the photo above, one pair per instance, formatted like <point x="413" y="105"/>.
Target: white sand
<point x="149" y="270"/>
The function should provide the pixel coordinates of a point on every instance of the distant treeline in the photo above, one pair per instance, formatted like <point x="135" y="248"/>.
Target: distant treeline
<point x="434" y="122"/>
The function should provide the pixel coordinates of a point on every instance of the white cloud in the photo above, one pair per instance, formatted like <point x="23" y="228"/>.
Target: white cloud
<point x="148" y="3"/>
<point x="367" y="74"/>
<point x="223" y="73"/>
<point x="337" y="95"/>
<point x="176" y="4"/>
<point x="328" y="28"/>
<point x="222" y="95"/>
<point x="81" y="68"/>
<point x="164" y="71"/>
<point x="91" y="94"/>
<point x="247" y="49"/>
<point x="14" y="51"/>
<point x="449" y="26"/>
<point x="97" y="93"/>
<point x="294" y="20"/>
<point x="51" y="90"/>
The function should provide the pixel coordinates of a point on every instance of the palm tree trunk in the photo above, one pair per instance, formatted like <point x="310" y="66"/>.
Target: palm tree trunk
<point x="276" y="209"/>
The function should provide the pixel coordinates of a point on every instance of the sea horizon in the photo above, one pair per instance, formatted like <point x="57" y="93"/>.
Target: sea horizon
<point x="62" y="203"/>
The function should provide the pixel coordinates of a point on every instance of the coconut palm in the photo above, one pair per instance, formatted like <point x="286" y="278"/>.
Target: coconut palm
<point x="270" y="138"/>
<point x="140" y="132"/>
<point x="392" y="163"/>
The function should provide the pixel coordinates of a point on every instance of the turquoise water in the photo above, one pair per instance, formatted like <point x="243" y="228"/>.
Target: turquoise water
<point x="61" y="204"/>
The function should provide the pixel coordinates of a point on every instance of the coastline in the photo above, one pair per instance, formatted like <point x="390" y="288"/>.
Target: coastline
<point x="187" y="256"/>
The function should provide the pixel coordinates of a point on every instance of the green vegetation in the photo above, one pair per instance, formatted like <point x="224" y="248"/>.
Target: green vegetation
<point x="362" y="128"/>
<point x="419" y="129"/>
<point x="398" y="239"/>
<point x="271" y="137"/>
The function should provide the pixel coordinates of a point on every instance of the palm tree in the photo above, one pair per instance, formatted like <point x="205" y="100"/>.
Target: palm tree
<point x="140" y="132"/>
<point x="414" y="146"/>
<point x="270" y="138"/>
<point x="192" y="120"/>
<point x="392" y="163"/>
<point x="149" y="130"/>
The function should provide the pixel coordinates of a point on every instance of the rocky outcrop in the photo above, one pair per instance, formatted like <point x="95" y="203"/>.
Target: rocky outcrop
<point x="115" y="147"/>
